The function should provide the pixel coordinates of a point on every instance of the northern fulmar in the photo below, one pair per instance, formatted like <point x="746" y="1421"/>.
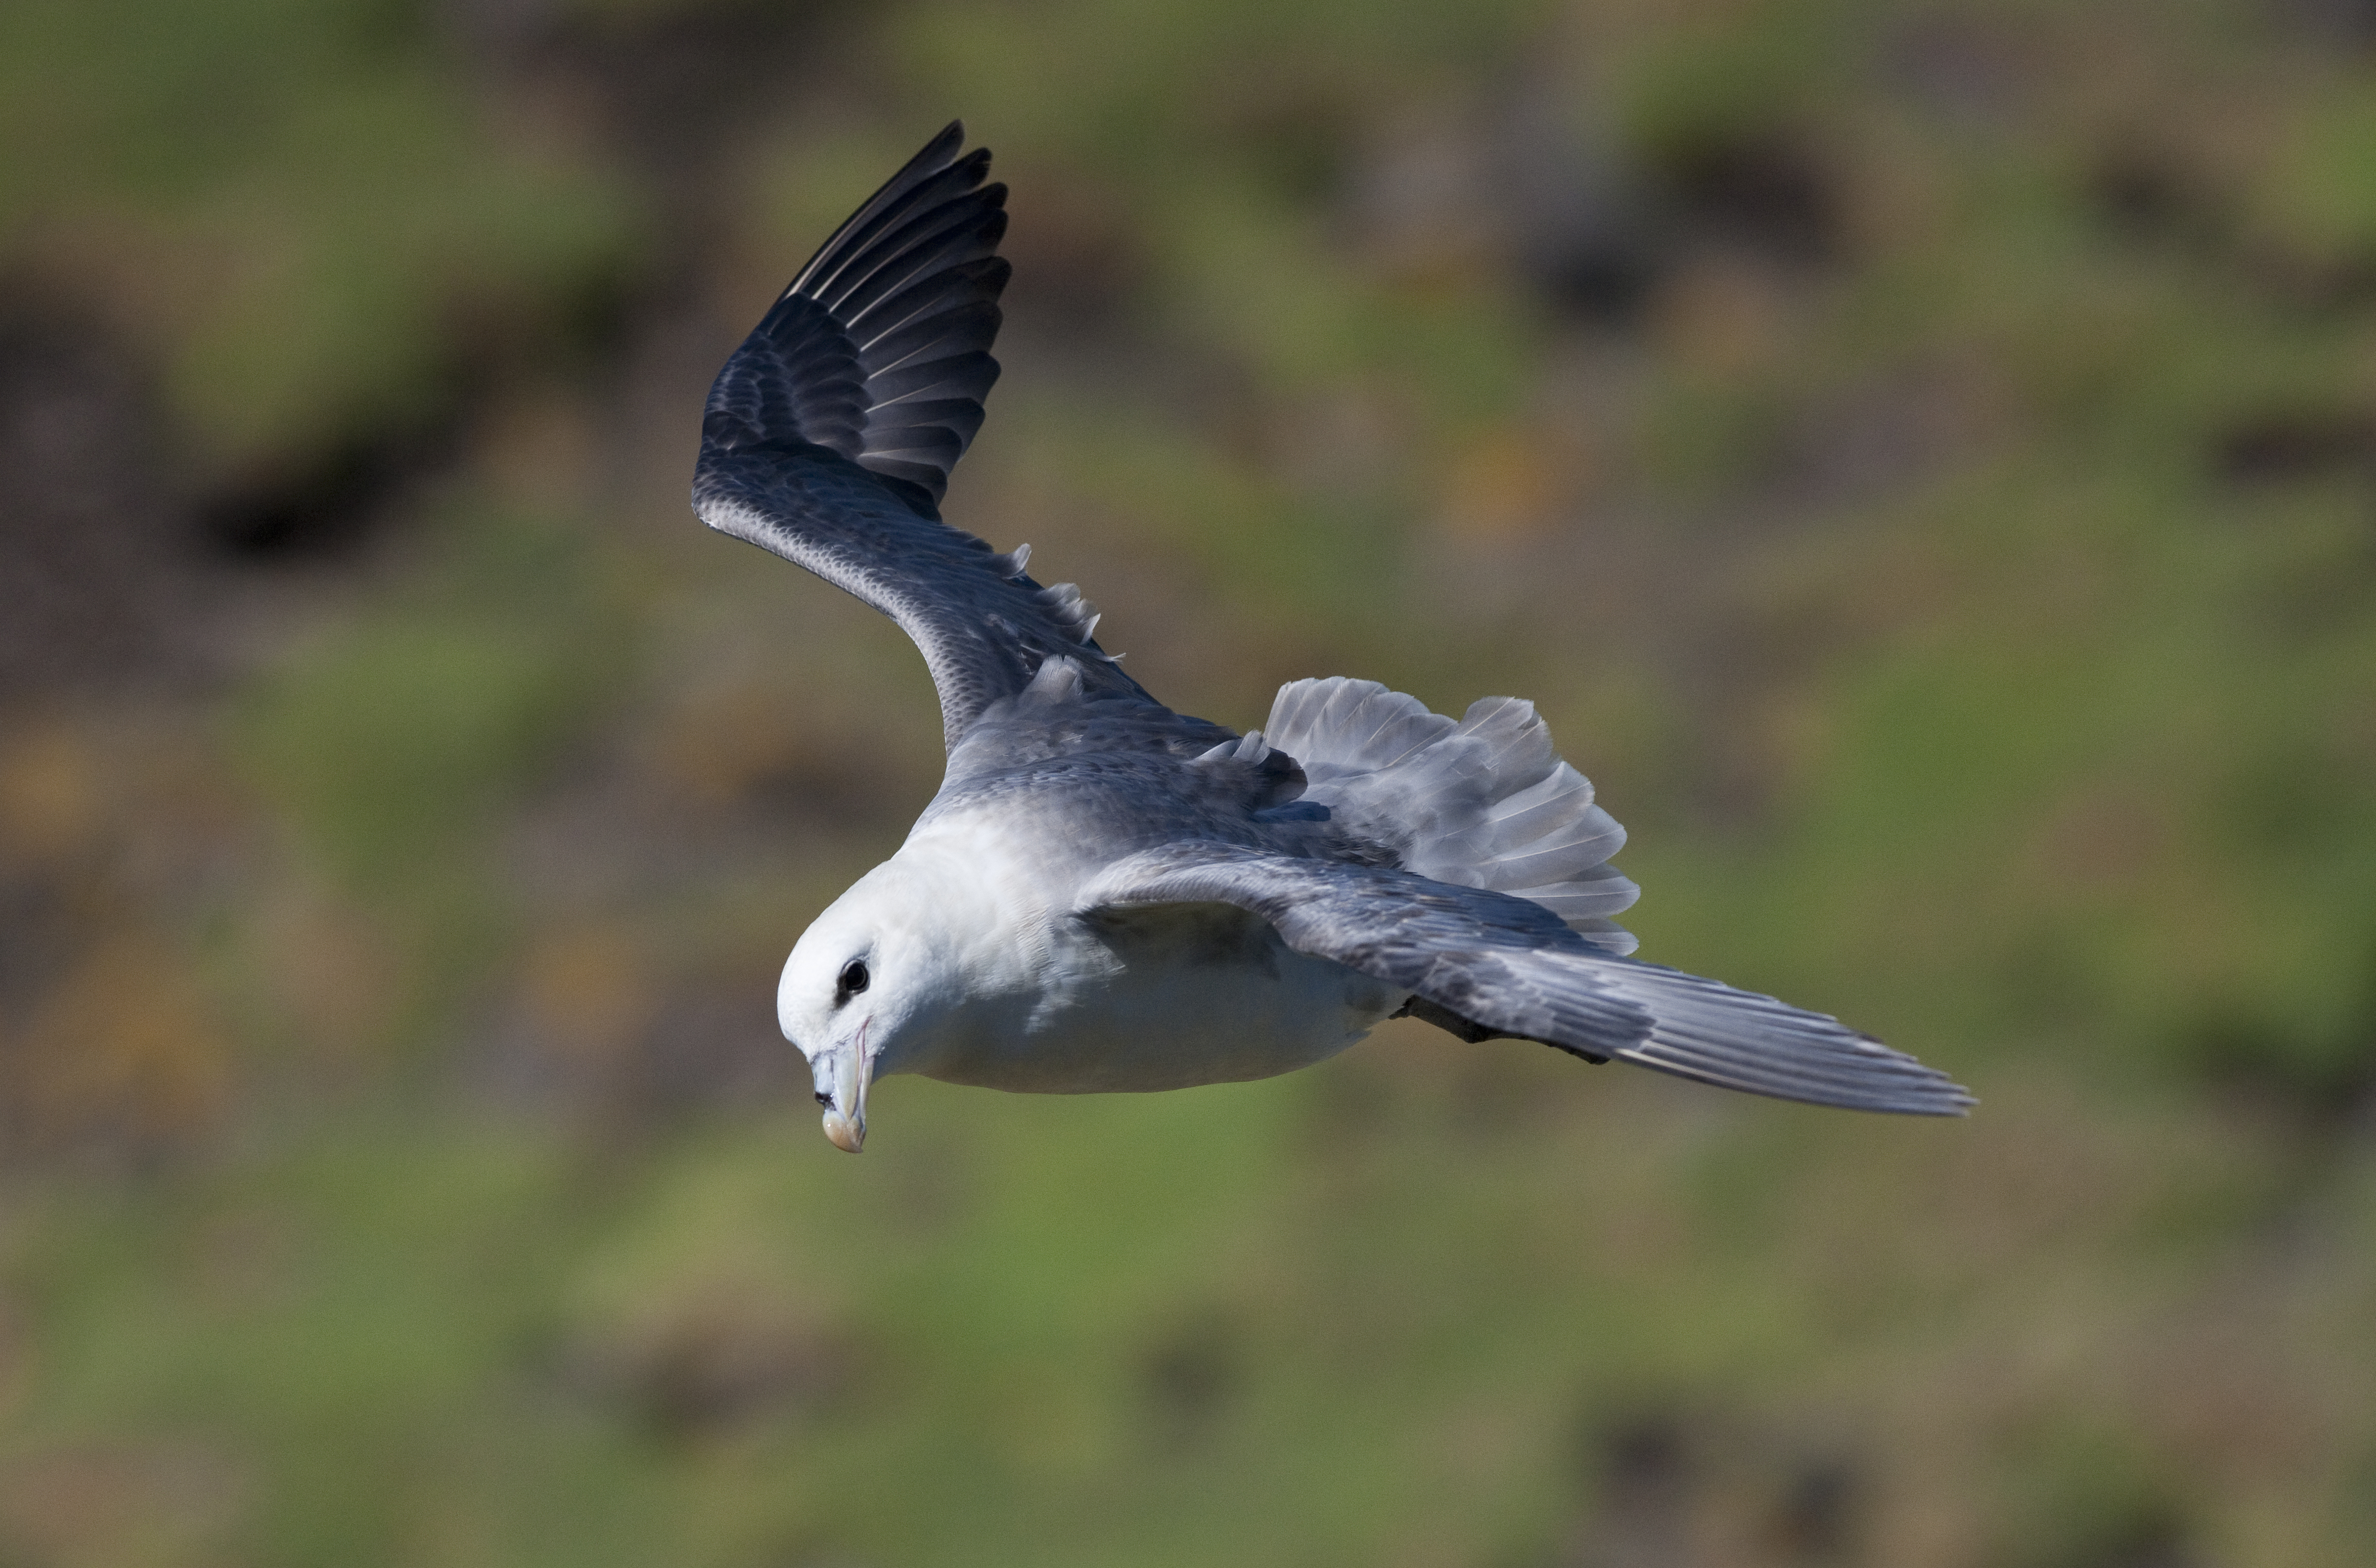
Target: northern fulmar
<point x="1106" y="895"/>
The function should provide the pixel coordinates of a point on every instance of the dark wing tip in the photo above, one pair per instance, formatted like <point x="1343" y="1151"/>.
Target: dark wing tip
<point x="882" y="342"/>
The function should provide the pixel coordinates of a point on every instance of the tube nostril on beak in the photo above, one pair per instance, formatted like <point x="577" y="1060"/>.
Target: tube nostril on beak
<point x="845" y="1073"/>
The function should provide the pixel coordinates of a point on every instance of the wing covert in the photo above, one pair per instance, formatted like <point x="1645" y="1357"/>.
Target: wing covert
<point x="1514" y="967"/>
<point x="830" y="435"/>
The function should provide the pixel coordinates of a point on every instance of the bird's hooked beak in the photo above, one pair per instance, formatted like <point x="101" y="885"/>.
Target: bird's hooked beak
<point x="845" y="1116"/>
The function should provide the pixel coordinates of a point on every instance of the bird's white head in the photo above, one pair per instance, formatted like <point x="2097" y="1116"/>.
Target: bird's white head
<point x="875" y="979"/>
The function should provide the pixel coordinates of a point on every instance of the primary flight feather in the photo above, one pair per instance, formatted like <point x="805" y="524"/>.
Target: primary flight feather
<point x="1106" y="895"/>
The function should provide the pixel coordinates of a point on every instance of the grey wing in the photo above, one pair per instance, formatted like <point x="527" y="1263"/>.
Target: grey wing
<point x="829" y="435"/>
<point x="1513" y="967"/>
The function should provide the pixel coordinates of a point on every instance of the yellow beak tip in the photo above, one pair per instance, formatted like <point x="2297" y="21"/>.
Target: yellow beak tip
<point x="844" y="1134"/>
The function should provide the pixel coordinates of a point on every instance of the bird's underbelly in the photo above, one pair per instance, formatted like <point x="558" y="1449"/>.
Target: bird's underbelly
<point x="1167" y="998"/>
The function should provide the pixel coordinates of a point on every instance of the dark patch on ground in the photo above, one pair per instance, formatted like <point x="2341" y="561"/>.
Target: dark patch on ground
<point x="713" y="1366"/>
<point x="2146" y="197"/>
<point x="1765" y="192"/>
<point x="102" y="586"/>
<point x="2279" y="447"/>
<point x="324" y="503"/>
<point x="1190" y="1375"/>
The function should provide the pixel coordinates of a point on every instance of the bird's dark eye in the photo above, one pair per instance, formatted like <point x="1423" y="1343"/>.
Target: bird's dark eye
<point x="853" y="981"/>
<point x="824" y="1100"/>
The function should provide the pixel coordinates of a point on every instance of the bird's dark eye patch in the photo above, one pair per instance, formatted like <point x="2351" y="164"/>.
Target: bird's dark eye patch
<point x="824" y="1100"/>
<point x="853" y="981"/>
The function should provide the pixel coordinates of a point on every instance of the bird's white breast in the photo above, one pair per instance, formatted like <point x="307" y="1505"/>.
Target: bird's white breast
<point x="1156" y="998"/>
<point x="1167" y="998"/>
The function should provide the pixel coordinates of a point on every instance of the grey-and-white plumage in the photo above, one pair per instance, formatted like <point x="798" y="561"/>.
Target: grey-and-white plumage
<point x="1106" y="895"/>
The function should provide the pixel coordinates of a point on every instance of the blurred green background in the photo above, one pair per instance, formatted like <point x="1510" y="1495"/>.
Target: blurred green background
<point x="1921" y="457"/>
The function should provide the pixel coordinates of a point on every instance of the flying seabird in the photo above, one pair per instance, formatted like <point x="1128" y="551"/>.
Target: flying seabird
<point x="1106" y="895"/>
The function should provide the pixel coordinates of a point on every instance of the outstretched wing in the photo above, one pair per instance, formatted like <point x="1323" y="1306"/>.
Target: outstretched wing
<point x="830" y="434"/>
<point x="1513" y="967"/>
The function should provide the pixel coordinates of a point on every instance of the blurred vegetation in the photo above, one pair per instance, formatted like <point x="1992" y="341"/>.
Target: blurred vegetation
<point x="1921" y="456"/>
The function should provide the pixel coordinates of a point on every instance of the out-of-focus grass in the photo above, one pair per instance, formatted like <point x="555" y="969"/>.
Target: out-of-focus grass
<point x="1921" y="459"/>
<point x="298" y="204"/>
<point x="1122" y="1331"/>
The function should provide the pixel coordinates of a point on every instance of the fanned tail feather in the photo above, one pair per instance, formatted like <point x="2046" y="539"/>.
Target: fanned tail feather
<point x="1483" y="802"/>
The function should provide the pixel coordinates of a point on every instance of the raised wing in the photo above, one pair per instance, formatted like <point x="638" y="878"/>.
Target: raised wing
<point x="1512" y="967"/>
<point x="830" y="434"/>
